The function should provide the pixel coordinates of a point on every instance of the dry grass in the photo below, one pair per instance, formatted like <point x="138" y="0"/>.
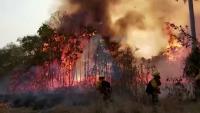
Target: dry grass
<point x="120" y="104"/>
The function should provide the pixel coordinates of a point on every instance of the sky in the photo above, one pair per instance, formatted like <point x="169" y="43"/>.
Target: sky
<point x="19" y="18"/>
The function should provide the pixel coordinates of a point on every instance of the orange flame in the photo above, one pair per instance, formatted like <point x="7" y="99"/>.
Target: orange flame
<point x="174" y="45"/>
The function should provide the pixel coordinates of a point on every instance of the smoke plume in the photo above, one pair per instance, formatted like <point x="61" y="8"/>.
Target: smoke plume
<point x="134" y="23"/>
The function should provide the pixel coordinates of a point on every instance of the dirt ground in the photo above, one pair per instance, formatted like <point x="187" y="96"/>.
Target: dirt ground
<point x="119" y="104"/>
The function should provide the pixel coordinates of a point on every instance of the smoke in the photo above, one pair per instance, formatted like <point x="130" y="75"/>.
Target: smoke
<point x="138" y="24"/>
<point x="134" y="23"/>
<point x="171" y="69"/>
<point x="96" y="61"/>
<point x="4" y="83"/>
<point x="146" y="33"/>
<point x="49" y="99"/>
<point x="76" y="14"/>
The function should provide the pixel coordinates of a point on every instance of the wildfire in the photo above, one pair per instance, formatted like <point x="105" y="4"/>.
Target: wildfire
<point x="57" y="71"/>
<point x="139" y="21"/>
<point x="178" y="38"/>
<point x="172" y="48"/>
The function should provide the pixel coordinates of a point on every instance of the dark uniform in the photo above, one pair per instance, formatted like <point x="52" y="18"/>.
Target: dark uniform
<point x="104" y="88"/>
<point x="153" y="87"/>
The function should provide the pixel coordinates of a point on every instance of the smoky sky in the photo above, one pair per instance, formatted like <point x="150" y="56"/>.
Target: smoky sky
<point x="93" y="13"/>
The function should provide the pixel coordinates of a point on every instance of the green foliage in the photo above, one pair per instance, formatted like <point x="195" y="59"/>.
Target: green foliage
<point x="28" y="53"/>
<point x="10" y="56"/>
<point x="45" y="32"/>
<point x="31" y="46"/>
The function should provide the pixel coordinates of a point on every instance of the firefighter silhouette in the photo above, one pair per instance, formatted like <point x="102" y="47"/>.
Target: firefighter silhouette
<point x="104" y="88"/>
<point x="153" y="87"/>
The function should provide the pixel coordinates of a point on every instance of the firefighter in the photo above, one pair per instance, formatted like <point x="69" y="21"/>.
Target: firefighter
<point x="104" y="88"/>
<point x="153" y="87"/>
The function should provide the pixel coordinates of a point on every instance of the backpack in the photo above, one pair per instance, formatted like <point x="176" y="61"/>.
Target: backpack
<point x="149" y="88"/>
<point x="105" y="87"/>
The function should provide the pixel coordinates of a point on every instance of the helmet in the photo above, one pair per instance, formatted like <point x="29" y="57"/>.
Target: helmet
<point x="101" y="77"/>
<point x="155" y="73"/>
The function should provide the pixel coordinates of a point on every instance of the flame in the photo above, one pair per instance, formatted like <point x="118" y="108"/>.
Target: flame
<point x="57" y="72"/>
<point x="136" y="23"/>
<point x="174" y="45"/>
<point x="139" y="25"/>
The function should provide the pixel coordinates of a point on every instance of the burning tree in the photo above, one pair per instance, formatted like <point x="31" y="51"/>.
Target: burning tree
<point x="127" y="65"/>
<point x="51" y="58"/>
<point x="178" y="38"/>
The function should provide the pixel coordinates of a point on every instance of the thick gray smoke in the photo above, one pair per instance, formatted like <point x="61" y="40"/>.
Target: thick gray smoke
<point x="46" y="100"/>
<point x="82" y="13"/>
<point x="136" y="23"/>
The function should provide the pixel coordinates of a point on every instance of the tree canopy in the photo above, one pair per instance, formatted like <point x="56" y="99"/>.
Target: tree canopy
<point x="28" y="52"/>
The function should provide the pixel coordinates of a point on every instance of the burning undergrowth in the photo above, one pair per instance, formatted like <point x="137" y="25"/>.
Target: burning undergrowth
<point x="77" y="61"/>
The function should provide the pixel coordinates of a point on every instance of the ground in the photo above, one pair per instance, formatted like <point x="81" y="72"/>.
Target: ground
<point x="120" y="104"/>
